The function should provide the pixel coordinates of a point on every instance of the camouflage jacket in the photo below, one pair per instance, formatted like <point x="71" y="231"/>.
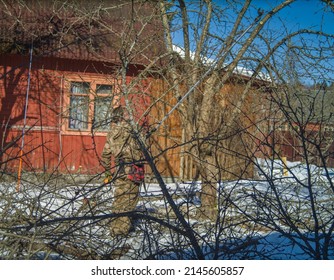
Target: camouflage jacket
<point x="120" y="145"/>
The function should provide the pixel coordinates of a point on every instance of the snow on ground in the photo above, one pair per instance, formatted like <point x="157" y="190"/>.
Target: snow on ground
<point x="50" y="205"/>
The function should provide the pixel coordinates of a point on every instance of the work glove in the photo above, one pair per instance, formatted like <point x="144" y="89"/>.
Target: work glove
<point x="108" y="178"/>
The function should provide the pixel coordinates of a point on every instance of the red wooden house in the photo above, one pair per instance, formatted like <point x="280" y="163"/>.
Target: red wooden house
<point x="61" y="70"/>
<point x="60" y="97"/>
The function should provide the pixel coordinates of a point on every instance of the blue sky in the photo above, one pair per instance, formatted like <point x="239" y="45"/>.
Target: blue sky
<point x="299" y="15"/>
<point x="303" y="14"/>
<point x="307" y="14"/>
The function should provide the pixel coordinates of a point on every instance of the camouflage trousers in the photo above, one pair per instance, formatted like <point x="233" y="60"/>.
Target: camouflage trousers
<point x="126" y="196"/>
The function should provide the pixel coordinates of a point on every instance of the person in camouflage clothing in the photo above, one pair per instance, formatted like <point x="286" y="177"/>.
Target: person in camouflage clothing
<point x="127" y="173"/>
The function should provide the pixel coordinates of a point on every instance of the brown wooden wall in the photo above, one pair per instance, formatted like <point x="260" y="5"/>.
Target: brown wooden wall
<point x="166" y="140"/>
<point x="176" y="161"/>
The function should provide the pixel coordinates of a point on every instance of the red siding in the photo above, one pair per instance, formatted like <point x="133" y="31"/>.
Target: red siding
<point x="48" y="145"/>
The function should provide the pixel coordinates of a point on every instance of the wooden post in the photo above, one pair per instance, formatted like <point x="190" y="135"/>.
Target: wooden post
<point x="24" y="121"/>
<point x="285" y="170"/>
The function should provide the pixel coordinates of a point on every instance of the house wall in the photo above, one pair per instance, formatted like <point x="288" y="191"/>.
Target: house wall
<point x="48" y="142"/>
<point x="50" y="145"/>
<point x="175" y="159"/>
<point x="165" y="143"/>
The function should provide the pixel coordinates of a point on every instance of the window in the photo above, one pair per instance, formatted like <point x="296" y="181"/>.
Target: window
<point x="102" y="107"/>
<point x="79" y="105"/>
<point x="90" y="106"/>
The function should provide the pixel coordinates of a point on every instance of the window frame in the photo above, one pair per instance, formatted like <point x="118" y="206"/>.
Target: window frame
<point x="92" y="96"/>
<point x="100" y="96"/>
<point x="81" y="95"/>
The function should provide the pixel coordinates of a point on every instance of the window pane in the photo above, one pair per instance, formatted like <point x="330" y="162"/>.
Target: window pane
<point x="103" y="89"/>
<point x="102" y="113"/>
<point x="80" y="87"/>
<point x="78" y="112"/>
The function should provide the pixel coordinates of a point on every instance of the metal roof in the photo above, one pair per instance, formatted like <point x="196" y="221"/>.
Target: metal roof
<point x="86" y="30"/>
